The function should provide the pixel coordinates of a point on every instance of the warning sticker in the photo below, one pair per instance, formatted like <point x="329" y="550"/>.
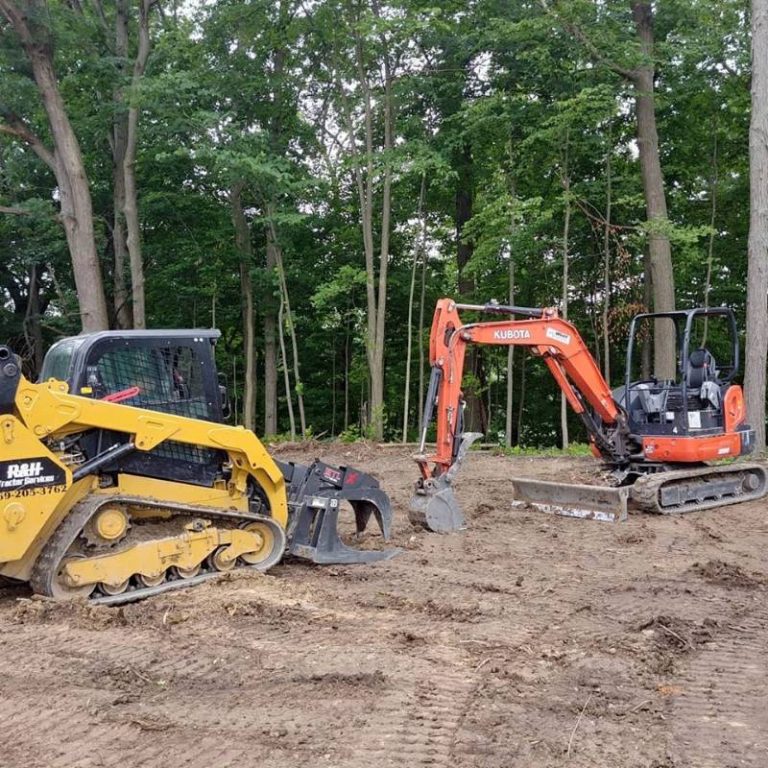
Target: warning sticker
<point x="563" y="338"/>
<point x="30" y="473"/>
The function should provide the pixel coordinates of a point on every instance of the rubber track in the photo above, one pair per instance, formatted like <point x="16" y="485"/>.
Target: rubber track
<point x="46" y="567"/>
<point x="645" y="491"/>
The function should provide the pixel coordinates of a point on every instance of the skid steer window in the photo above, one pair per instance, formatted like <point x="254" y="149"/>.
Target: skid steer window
<point x="121" y="369"/>
<point x="58" y="361"/>
<point x="170" y="378"/>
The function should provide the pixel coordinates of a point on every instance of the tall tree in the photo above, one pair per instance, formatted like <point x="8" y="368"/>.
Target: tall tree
<point x="130" y="203"/>
<point x="245" y="255"/>
<point x="30" y="21"/>
<point x="641" y="73"/>
<point x="757" y="283"/>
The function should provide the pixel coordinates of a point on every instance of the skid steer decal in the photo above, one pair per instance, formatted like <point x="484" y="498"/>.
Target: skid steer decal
<point x="31" y="473"/>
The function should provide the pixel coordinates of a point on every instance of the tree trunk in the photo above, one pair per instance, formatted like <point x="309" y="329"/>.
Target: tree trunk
<point x="66" y="162"/>
<point x="757" y="276"/>
<point x="33" y="331"/>
<point x="334" y="384"/>
<point x="566" y="182"/>
<point x="284" y="361"/>
<point x="475" y="417"/>
<point x="607" y="265"/>
<point x="376" y="290"/>
<point x="508" y="421"/>
<point x="272" y="323"/>
<point x="422" y="301"/>
<point x="245" y="253"/>
<point x="417" y="254"/>
<point x="521" y="401"/>
<point x="346" y="378"/>
<point x="123" y="315"/>
<point x="286" y="305"/>
<point x="270" y="349"/>
<point x="712" y="221"/>
<point x="130" y="208"/>
<point x="508" y="437"/>
<point x="662" y="277"/>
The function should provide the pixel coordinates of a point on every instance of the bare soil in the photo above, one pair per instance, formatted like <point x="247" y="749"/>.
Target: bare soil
<point x="527" y="640"/>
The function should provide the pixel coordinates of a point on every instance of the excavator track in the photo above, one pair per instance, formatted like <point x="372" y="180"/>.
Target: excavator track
<point x="676" y="492"/>
<point x="45" y="577"/>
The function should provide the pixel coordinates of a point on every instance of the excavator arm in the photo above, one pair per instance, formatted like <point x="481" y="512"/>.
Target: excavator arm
<point x="547" y="336"/>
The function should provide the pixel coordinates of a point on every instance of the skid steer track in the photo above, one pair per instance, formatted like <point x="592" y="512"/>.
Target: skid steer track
<point x="45" y="578"/>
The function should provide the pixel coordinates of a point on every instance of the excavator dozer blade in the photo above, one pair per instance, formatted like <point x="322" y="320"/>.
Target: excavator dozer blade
<point x="436" y="508"/>
<point x="592" y="502"/>
<point x="315" y="494"/>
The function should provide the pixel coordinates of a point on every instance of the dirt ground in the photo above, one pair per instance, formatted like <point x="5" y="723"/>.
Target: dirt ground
<point x="527" y="640"/>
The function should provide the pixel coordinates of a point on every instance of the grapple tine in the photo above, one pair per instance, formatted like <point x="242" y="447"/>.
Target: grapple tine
<point x="315" y="494"/>
<point x="382" y="515"/>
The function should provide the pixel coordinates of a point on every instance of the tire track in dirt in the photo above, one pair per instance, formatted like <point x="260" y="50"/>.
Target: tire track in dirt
<point x="416" y="724"/>
<point x="720" y="718"/>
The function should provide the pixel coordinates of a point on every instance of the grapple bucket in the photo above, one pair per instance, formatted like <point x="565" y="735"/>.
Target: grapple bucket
<point x="592" y="502"/>
<point x="315" y="494"/>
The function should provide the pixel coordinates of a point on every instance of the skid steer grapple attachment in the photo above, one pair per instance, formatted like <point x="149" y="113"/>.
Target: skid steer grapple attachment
<point x="315" y="495"/>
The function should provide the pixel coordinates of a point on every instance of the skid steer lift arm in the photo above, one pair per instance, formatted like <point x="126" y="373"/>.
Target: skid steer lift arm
<point x="548" y="336"/>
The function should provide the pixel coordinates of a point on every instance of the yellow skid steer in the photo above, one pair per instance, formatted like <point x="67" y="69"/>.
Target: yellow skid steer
<point x="120" y="479"/>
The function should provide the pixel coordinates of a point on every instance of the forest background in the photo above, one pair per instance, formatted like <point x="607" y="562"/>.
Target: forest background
<point x="309" y="176"/>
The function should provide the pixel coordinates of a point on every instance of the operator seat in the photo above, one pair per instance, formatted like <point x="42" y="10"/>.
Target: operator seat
<point x="701" y="368"/>
<point x="702" y="376"/>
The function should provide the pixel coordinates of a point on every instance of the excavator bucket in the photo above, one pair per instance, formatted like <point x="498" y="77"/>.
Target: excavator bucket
<point x="434" y="505"/>
<point x="592" y="502"/>
<point x="315" y="496"/>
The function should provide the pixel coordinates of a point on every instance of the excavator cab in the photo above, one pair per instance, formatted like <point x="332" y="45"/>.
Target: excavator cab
<point x="699" y="398"/>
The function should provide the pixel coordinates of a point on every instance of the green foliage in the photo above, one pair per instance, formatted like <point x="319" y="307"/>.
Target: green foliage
<point x="495" y="101"/>
<point x="574" y="449"/>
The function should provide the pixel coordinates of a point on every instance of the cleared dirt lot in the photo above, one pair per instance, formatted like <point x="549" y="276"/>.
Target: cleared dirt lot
<point x="527" y="640"/>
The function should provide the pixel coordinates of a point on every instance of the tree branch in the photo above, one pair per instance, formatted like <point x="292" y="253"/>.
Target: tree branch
<point x="577" y="32"/>
<point x="13" y="125"/>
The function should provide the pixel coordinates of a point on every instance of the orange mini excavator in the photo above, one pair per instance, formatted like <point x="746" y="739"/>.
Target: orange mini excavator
<point x="655" y="435"/>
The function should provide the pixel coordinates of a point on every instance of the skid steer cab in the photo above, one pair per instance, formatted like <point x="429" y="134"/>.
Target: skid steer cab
<point x="120" y="478"/>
